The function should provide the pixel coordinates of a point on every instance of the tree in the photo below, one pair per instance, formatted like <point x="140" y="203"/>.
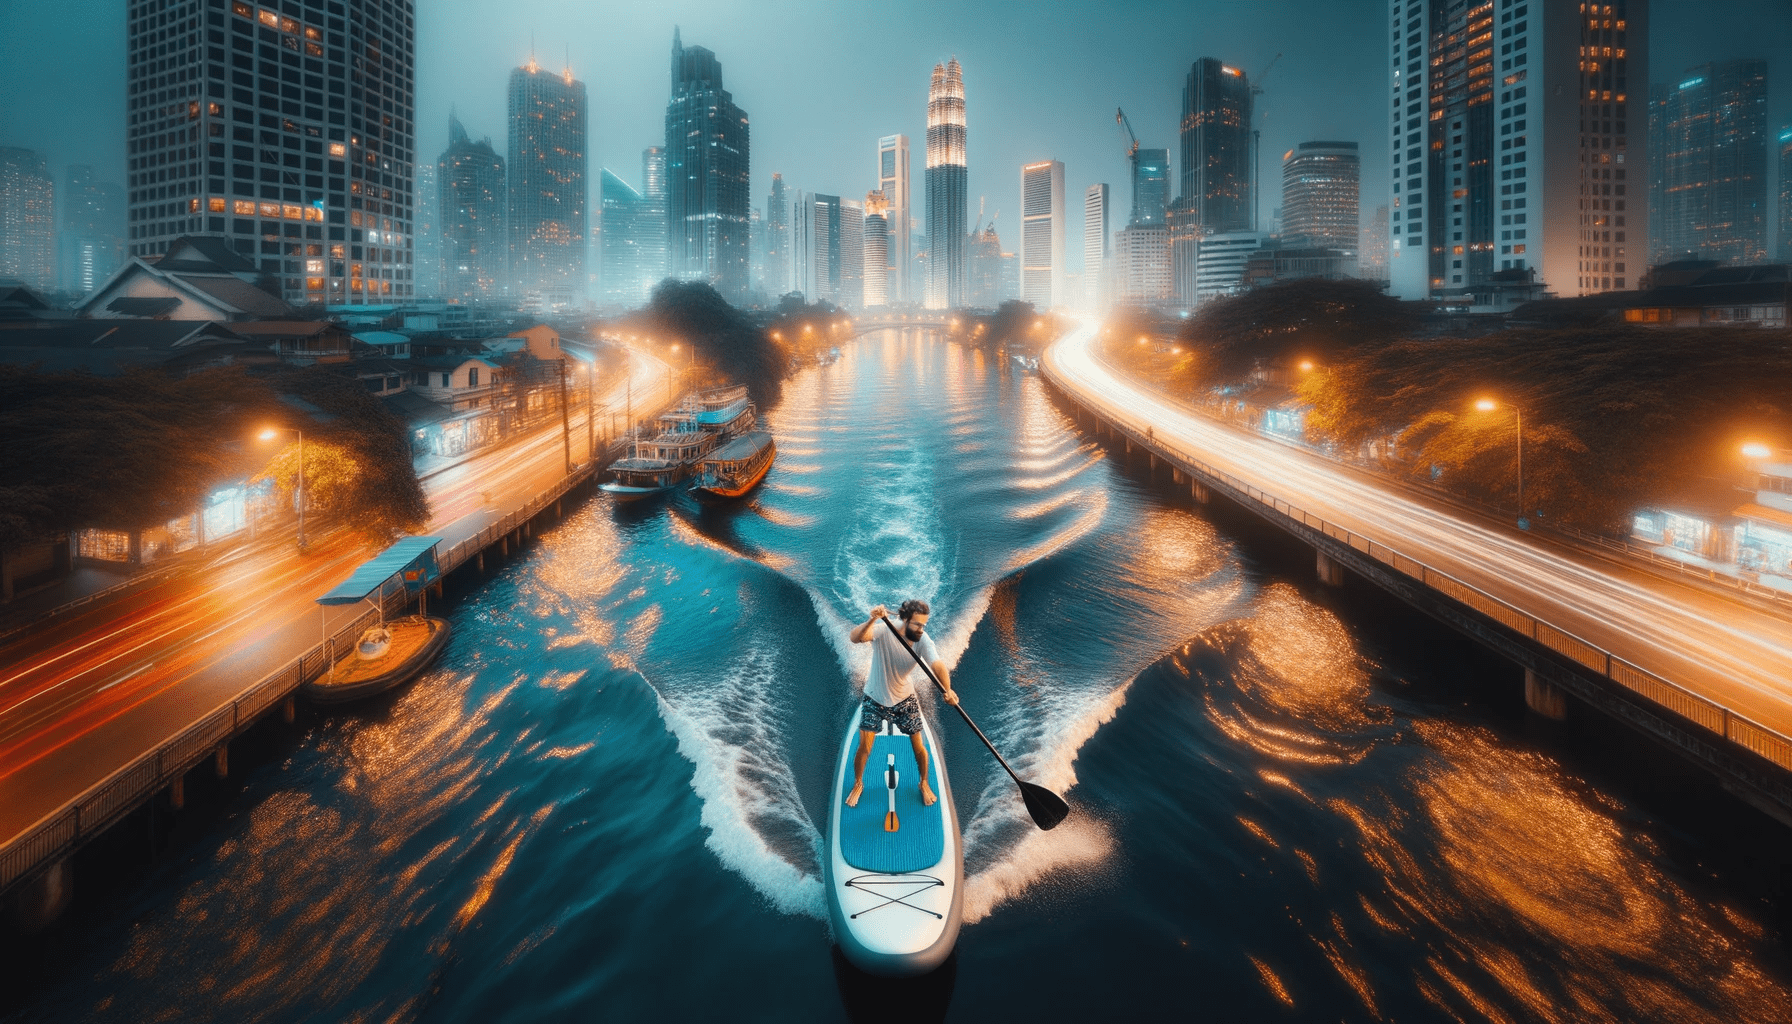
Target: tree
<point x="1310" y="318"/>
<point x="721" y="335"/>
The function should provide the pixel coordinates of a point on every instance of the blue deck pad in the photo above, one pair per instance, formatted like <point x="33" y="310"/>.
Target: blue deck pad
<point x="921" y="841"/>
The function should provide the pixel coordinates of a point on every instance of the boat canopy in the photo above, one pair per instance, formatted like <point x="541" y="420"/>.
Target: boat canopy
<point x="413" y="559"/>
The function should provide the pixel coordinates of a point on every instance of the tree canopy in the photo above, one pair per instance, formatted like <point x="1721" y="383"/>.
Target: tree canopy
<point x="133" y="451"/>
<point x="1310" y="318"/>
<point x="722" y="336"/>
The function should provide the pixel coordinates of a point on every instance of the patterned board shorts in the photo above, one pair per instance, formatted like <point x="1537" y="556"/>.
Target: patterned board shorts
<point x="906" y="715"/>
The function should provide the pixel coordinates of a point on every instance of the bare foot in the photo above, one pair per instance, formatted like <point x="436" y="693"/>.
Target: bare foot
<point x="858" y="790"/>
<point x="927" y="796"/>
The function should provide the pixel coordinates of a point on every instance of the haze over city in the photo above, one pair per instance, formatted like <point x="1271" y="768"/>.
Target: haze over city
<point x="1234" y="509"/>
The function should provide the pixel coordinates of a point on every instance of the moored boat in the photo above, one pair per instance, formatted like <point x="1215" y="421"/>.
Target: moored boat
<point x="736" y="467"/>
<point x="377" y="664"/>
<point x="702" y="421"/>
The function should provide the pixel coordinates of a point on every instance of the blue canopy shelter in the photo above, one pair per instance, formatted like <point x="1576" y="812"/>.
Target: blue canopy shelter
<point x="410" y="563"/>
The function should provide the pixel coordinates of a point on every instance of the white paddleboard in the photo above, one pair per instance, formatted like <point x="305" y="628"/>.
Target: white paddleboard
<point x="895" y="899"/>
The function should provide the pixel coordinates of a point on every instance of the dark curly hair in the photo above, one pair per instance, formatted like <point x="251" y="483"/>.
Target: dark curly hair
<point x="913" y="607"/>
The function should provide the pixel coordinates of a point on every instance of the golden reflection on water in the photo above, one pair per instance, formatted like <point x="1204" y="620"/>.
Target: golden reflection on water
<point x="1532" y="899"/>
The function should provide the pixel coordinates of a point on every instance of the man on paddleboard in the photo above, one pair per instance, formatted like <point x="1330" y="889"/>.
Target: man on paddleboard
<point x="890" y="688"/>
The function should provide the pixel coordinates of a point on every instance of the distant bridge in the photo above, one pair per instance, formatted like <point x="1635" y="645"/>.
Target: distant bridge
<point x="932" y="319"/>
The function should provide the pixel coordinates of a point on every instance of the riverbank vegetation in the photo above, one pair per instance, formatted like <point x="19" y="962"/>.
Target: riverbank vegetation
<point x="132" y="452"/>
<point x="729" y="346"/>
<point x="1614" y="417"/>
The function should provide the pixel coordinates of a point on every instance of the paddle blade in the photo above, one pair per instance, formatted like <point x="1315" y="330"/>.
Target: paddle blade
<point x="1046" y="807"/>
<point x="890" y="822"/>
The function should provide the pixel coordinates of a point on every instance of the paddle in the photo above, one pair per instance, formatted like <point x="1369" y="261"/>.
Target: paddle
<point x="1046" y="807"/>
<point x="891" y="823"/>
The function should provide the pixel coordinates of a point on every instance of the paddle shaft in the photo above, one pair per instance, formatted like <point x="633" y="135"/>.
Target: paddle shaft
<point x="903" y="640"/>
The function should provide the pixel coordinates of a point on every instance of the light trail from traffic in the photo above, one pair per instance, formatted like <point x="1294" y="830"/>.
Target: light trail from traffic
<point x="96" y="689"/>
<point x="1728" y="651"/>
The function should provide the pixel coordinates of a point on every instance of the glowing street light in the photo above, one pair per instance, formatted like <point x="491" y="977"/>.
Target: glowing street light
<point x="1306" y="366"/>
<point x="1756" y="450"/>
<point x="1489" y="405"/>
<point x="269" y="434"/>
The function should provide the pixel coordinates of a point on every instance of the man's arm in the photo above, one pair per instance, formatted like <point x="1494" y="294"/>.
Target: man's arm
<point x="862" y="633"/>
<point x="939" y="669"/>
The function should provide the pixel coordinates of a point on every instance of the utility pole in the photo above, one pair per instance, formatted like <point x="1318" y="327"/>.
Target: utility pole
<point x="565" y="418"/>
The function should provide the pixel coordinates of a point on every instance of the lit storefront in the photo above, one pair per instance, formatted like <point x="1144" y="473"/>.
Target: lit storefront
<point x="1764" y="540"/>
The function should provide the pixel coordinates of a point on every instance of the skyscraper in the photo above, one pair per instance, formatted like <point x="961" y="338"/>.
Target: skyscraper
<point x="892" y="181"/>
<point x="548" y="190"/>
<point x="1372" y="259"/>
<point x="655" y="245"/>
<point x="629" y="225"/>
<point x="947" y="187"/>
<point x="471" y="217"/>
<point x="1319" y="195"/>
<point x="1714" y="152"/>
<point x="1150" y="186"/>
<point x="1042" y="234"/>
<point x="427" y="271"/>
<point x="1786" y="194"/>
<point x="27" y="219"/>
<point x="818" y="247"/>
<point x="777" y="239"/>
<point x="1511" y="148"/>
<point x="1657" y="137"/>
<point x="850" y="292"/>
<point x="983" y="269"/>
<point x="314" y="129"/>
<point x="1095" y="247"/>
<point x="1216" y="147"/>
<point x="877" y="250"/>
<point x="707" y="164"/>
<point x="91" y="237"/>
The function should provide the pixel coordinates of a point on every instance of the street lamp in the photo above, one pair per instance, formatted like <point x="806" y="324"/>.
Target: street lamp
<point x="268" y="435"/>
<point x="1489" y="405"/>
<point x="1756" y="450"/>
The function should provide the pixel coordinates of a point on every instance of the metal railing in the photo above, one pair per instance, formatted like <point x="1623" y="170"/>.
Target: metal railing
<point x="91" y="812"/>
<point x="1707" y="714"/>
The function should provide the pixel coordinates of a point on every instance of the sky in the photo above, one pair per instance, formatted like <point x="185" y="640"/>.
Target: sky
<point x="822" y="82"/>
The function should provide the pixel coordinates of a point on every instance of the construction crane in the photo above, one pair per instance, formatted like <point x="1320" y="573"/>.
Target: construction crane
<point x="1257" y="137"/>
<point x="1120" y="119"/>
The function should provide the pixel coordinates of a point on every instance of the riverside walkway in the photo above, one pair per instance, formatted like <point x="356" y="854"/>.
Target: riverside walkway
<point x="102" y="710"/>
<point x="1702" y="671"/>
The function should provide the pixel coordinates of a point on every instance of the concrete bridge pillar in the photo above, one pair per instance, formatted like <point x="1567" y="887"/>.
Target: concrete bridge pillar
<point x="481" y="559"/>
<point x="38" y="903"/>
<point x="504" y="545"/>
<point x="1175" y="475"/>
<point x="289" y="709"/>
<point x="221" y="760"/>
<point x="1153" y="459"/>
<point x="1199" y="492"/>
<point x="177" y="792"/>
<point x="1128" y="451"/>
<point x="1544" y="697"/>
<point x="1331" y="573"/>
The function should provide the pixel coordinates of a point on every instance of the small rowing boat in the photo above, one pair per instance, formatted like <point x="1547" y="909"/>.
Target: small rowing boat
<point x="895" y="895"/>
<point x="384" y="657"/>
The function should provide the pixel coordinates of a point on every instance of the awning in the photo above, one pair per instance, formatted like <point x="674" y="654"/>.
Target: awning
<point x="413" y="558"/>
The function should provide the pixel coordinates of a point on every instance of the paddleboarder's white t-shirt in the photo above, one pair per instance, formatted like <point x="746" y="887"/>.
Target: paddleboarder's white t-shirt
<point x="893" y="672"/>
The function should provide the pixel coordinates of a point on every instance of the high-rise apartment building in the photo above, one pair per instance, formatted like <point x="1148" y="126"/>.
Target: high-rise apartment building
<point x="877" y="250"/>
<point x="1095" y="246"/>
<point x="1182" y="224"/>
<point x="1220" y="264"/>
<point x="1319" y="195"/>
<point x="1714" y="156"/>
<point x="27" y="219"/>
<point x="1786" y="194"/>
<point x="707" y="176"/>
<point x="630" y="224"/>
<point x="893" y="182"/>
<point x="284" y="129"/>
<point x="426" y="272"/>
<point x="1042" y="234"/>
<point x="1216" y="168"/>
<point x="471" y="216"/>
<point x="1657" y="138"/>
<point x="90" y="240"/>
<point x="777" y="239"/>
<point x="817" y="247"/>
<point x="1511" y="146"/>
<point x="1142" y="265"/>
<point x="948" y="195"/>
<point x="549" y="194"/>
<point x="851" y="290"/>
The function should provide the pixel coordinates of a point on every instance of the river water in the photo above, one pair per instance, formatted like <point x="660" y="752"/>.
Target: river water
<point x="607" y="800"/>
